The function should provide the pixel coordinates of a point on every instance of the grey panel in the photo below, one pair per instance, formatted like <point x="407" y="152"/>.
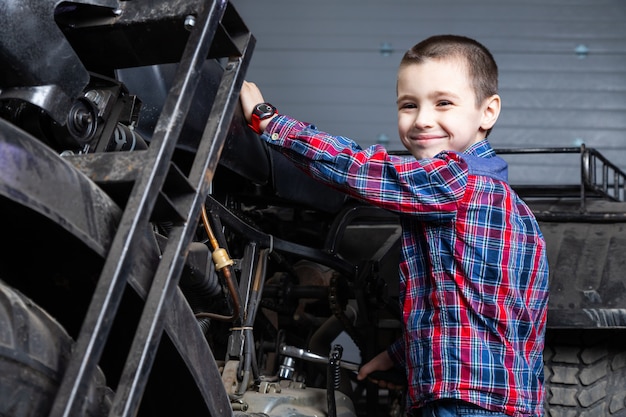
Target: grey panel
<point x="321" y="62"/>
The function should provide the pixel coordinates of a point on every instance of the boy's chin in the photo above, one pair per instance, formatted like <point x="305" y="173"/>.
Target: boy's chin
<point x="426" y="153"/>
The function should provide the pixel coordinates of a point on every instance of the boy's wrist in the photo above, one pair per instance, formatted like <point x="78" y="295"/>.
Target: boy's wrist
<point x="261" y="115"/>
<point x="264" y="123"/>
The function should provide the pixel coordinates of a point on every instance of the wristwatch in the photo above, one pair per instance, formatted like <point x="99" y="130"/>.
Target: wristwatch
<point x="261" y="111"/>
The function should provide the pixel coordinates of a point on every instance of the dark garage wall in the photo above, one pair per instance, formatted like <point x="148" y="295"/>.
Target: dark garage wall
<point x="562" y="68"/>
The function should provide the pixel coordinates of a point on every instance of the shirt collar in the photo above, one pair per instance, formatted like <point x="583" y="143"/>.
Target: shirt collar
<point x="482" y="149"/>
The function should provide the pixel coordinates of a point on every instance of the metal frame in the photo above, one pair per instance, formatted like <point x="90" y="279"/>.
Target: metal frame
<point x="210" y="29"/>
<point x="599" y="178"/>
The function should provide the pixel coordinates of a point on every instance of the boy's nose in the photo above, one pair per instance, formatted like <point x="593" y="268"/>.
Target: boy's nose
<point x="424" y="119"/>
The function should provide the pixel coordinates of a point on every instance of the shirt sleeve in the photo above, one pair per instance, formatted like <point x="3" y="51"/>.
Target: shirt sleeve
<point x="429" y="188"/>
<point x="396" y="352"/>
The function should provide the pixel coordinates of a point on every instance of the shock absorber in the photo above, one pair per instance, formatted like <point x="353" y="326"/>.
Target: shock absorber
<point x="333" y="380"/>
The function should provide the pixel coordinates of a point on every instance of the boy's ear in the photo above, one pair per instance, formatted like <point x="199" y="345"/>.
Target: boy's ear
<point x="491" y="111"/>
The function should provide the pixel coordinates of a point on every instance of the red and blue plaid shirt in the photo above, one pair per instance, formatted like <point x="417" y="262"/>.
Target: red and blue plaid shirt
<point x="473" y="271"/>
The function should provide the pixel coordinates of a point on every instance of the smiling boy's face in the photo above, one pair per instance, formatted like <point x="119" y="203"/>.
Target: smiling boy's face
<point x="437" y="108"/>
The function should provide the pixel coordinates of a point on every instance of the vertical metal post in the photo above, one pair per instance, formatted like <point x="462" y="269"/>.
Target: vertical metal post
<point x="584" y="176"/>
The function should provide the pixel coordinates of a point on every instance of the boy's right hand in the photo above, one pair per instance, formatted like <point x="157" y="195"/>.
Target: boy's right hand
<point x="380" y="362"/>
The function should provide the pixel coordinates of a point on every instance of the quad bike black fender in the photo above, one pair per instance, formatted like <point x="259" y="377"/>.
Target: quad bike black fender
<point x="39" y="187"/>
<point x="33" y="176"/>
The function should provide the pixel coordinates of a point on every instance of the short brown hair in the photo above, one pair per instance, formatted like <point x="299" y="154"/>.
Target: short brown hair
<point x="483" y="71"/>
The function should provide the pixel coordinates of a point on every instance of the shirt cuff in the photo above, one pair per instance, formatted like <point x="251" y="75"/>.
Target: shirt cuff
<point x="282" y="129"/>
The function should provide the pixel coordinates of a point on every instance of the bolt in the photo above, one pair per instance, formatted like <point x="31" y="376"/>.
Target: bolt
<point x="190" y="22"/>
<point x="582" y="51"/>
<point x="386" y="49"/>
<point x="85" y="118"/>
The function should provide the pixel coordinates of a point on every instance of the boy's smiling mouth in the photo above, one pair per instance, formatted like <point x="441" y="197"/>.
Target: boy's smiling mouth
<point x="426" y="137"/>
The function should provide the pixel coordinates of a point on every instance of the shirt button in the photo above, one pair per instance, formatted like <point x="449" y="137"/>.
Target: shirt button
<point x="275" y="136"/>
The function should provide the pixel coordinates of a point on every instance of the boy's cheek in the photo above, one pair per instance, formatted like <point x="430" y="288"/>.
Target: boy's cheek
<point x="403" y="125"/>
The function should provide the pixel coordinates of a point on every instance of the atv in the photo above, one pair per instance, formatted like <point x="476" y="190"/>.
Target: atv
<point x="159" y="259"/>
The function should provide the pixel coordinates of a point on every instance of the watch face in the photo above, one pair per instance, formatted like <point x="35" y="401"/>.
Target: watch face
<point x="264" y="110"/>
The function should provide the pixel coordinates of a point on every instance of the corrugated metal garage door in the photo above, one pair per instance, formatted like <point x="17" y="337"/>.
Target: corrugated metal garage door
<point x="562" y="67"/>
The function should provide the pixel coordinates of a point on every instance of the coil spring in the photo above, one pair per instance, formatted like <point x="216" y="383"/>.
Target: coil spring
<point x="335" y="369"/>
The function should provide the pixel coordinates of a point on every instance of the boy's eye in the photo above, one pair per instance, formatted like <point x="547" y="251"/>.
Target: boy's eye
<point x="408" y="106"/>
<point x="444" y="103"/>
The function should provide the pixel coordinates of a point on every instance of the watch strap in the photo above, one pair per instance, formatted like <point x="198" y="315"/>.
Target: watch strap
<point x="261" y="112"/>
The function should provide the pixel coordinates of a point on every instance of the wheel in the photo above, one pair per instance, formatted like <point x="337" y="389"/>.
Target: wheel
<point x="585" y="373"/>
<point x="34" y="351"/>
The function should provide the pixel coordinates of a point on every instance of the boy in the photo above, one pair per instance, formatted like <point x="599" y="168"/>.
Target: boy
<point x="473" y="271"/>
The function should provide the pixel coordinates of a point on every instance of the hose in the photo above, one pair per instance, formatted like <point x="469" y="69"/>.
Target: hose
<point x="223" y="264"/>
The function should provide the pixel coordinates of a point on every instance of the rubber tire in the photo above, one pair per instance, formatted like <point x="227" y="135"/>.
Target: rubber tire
<point x="585" y="373"/>
<point x="34" y="351"/>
